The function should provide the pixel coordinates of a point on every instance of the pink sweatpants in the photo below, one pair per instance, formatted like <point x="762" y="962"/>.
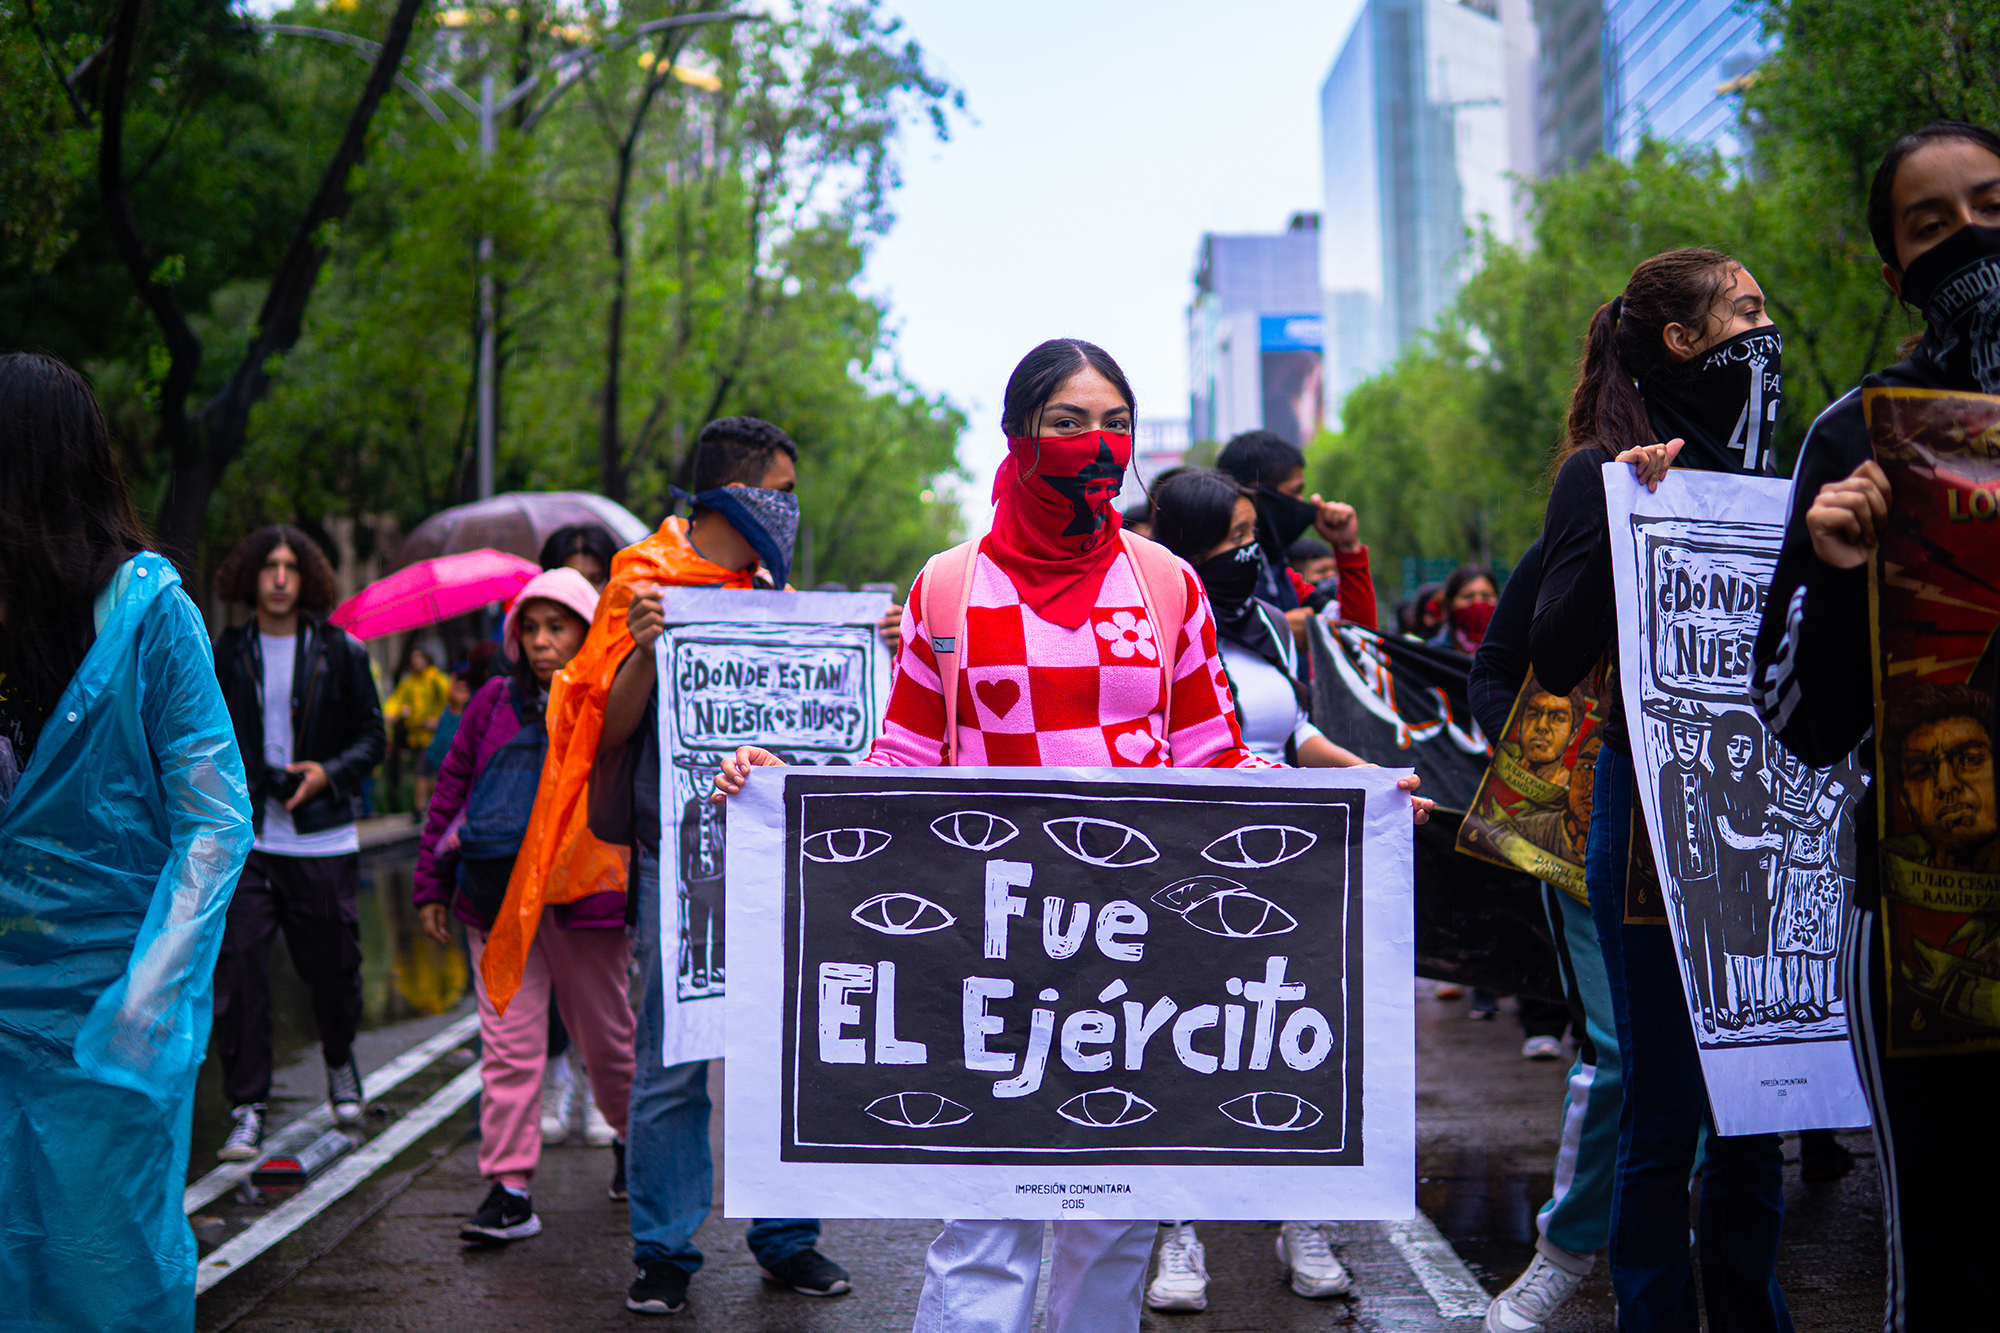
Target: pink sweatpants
<point x="587" y="970"/>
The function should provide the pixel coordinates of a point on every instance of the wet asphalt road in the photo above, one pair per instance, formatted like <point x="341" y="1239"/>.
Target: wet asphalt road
<point x="387" y="1256"/>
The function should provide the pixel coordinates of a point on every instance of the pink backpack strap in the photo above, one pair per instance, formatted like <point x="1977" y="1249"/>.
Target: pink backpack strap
<point x="1163" y="589"/>
<point x="947" y="588"/>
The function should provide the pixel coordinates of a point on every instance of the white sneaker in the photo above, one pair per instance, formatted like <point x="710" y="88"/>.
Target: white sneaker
<point x="1542" y="1048"/>
<point x="558" y="1098"/>
<point x="1305" y="1252"/>
<point x="597" y="1131"/>
<point x="1538" y="1293"/>
<point x="1182" y="1282"/>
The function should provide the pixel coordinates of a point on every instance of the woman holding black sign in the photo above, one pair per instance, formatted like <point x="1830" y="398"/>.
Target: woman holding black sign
<point x="996" y="668"/>
<point x="1685" y="355"/>
<point x="1934" y="215"/>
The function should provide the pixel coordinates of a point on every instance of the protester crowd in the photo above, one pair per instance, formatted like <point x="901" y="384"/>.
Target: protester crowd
<point x="166" y="805"/>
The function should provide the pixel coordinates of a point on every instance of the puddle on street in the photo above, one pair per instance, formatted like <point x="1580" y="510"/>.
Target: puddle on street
<point x="404" y="975"/>
<point x="1485" y="1208"/>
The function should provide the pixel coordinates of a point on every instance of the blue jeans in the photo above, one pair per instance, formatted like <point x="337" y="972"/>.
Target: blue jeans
<point x="1577" y="1216"/>
<point x="1742" y="1208"/>
<point x="670" y="1173"/>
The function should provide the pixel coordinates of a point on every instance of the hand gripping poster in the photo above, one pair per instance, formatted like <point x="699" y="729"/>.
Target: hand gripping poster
<point x="1532" y="810"/>
<point x="1071" y="993"/>
<point x="1936" y="591"/>
<point x="803" y="674"/>
<point x="1754" y="850"/>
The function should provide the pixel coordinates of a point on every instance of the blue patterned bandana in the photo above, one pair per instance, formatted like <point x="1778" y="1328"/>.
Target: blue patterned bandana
<point x="768" y="520"/>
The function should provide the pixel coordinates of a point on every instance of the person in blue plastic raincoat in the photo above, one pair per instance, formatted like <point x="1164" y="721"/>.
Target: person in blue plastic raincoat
<point x="124" y="820"/>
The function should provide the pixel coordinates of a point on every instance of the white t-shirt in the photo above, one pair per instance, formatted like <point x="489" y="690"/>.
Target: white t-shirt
<point x="1266" y="708"/>
<point x="279" y="837"/>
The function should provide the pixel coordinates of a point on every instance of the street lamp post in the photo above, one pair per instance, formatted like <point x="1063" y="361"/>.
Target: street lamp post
<point x="567" y="70"/>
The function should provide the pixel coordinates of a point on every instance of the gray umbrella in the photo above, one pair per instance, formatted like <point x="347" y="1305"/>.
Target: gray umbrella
<point x="517" y="523"/>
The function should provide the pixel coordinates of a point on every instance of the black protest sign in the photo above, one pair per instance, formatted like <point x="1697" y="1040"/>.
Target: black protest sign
<point x="1040" y="970"/>
<point x="1399" y="702"/>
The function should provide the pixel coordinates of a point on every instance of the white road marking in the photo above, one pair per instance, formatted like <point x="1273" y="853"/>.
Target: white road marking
<point x="1452" y="1287"/>
<point x="342" y="1177"/>
<point x="316" y="1122"/>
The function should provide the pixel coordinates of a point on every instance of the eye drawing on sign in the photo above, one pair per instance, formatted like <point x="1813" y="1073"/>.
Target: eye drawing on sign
<point x="918" y="1110"/>
<point x="974" y="830"/>
<point x="1239" y="914"/>
<point x="1178" y="897"/>
<point x="1755" y="866"/>
<point x="1282" y="1112"/>
<point x="902" y="914"/>
<point x="1259" y="846"/>
<point x="1106" y="1108"/>
<point x="1102" y="842"/>
<point x="845" y="844"/>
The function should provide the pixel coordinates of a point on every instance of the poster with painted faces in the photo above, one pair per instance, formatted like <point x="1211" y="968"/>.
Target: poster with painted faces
<point x="1937" y="597"/>
<point x="1071" y="994"/>
<point x="803" y="674"/>
<point x="1754" y="850"/>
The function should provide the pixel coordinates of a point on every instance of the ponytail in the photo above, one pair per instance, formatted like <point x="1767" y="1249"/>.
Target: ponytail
<point x="1626" y="343"/>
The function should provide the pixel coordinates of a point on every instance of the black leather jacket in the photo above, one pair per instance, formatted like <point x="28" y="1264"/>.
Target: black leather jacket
<point x="336" y="717"/>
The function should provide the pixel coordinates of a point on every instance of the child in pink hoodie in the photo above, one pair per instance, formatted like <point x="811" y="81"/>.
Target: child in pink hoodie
<point x="480" y="810"/>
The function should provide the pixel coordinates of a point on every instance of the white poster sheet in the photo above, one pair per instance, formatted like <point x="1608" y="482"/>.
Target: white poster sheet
<point x="1071" y="993"/>
<point x="1755" y="850"/>
<point x="803" y="674"/>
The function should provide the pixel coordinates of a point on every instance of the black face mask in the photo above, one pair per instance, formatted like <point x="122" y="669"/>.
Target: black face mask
<point x="1281" y="519"/>
<point x="1724" y="404"/>
<point x="1230" y="579"/>
<point x="1956" y="284"/>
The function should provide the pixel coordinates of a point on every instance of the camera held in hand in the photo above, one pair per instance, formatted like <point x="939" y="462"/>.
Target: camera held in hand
<point x="285" y="783"/>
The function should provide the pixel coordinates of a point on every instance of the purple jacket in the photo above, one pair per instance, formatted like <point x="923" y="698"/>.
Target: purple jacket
<point x="489" y="723"/>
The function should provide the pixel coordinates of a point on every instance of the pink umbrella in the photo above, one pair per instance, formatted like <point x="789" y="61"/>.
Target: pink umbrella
<point x="433" y="590"/>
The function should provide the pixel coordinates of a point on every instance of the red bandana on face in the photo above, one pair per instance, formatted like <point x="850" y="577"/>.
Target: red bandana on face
<point x="1055" y="532"/>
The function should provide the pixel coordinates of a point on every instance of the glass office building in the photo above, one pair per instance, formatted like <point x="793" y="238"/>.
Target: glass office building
<point x="1671" y="69"/>
<point x="1254" y="336"/>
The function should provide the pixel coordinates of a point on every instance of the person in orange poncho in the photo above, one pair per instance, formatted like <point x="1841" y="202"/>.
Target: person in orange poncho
<point x="602" y="705"/>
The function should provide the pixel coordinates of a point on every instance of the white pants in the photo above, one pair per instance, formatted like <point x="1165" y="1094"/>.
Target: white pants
<point x="979" y="1277"/>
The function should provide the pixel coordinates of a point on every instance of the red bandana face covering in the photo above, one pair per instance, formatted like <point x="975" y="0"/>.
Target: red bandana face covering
<point x="1055" y="532"/>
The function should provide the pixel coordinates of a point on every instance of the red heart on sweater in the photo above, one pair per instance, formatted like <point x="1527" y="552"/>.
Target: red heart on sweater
<point x="999" y="696"/>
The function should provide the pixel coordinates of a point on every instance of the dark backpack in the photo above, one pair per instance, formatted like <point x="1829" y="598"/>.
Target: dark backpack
<point x="497" y="812"/>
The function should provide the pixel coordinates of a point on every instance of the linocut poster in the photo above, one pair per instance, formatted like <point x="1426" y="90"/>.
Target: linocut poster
<point x="984" y="993"/>
<point x="1937" y="602"/>
<point x="1754" y="850"/>
<point x="804" y="674"/>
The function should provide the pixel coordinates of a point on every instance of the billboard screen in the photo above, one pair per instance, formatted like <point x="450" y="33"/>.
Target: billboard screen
<point x="1293" y="377"/>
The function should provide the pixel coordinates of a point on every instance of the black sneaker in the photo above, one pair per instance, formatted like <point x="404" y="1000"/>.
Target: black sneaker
<point x="661" y="1288"/>
<point x="810" y="1273"/>
<point x="618" y="1170"/>
<point x="343" y="1091"/>
<point x="247" y="1137"/>
<point x="504" y="1216"/>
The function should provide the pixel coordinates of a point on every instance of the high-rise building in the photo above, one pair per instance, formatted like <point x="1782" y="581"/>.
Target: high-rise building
<point x="1670" y="68"/>
<point x="1254" y="340"/>
<point x="1419" y="141"/>
<point x="1569" y="77"/>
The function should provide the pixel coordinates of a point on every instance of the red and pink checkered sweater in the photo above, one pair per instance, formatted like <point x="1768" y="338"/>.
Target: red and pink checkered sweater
<point x="1032" y="694"/>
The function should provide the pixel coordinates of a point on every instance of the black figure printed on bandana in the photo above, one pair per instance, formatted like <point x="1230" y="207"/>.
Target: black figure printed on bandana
<point x="1090" y="493"/>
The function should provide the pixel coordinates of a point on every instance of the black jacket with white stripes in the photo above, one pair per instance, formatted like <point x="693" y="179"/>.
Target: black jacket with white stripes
<point x="1810" y="677"/>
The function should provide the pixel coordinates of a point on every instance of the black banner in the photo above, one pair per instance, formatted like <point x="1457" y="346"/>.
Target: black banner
<point x="1400" y="704"/>
<point x="1041" y="971"/>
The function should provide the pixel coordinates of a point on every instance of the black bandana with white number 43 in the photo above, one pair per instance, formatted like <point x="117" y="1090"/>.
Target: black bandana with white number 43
<point x="1725" y="404"/>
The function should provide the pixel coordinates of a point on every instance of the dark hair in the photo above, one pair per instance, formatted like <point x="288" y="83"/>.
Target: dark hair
<point x="1625" y="344"/>
<point x="1192" y="511"/>
<point x="589" y="539"/>
<point x="66" y="524"/>
<point x="1046" y="369"/>
<point x="1924" y="703"/>
<point x="1455" y="582"/>
<point x="1882" y="190"/>
<point x="1139" y="512"/>
<point x="236" y="578"/>
<point x="1307" y="549"/>
<point x="735" y="450"/>
<point x="1727" y="728"/>
<point x="1260" y="458"/>
<point x="1579" y="706"/>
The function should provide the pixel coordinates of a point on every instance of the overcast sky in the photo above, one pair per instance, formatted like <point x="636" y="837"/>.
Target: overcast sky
<point x="1106" y="138"/>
